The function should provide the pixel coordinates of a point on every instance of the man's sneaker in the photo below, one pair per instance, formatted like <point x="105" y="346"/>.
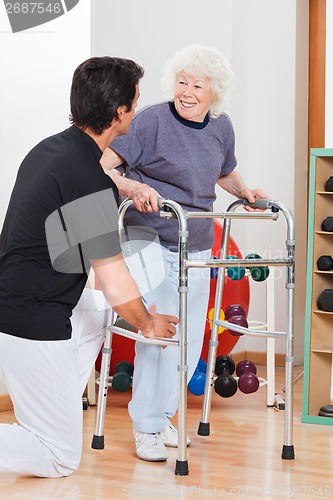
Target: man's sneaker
<point x="150" y="447"/>
<point x="170" y="436"/>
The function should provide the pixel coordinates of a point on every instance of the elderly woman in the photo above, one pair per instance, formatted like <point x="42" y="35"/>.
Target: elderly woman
<point x="179" y="149"/>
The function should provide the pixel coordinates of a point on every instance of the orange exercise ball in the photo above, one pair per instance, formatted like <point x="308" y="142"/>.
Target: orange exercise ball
<point x="234" y="292"/>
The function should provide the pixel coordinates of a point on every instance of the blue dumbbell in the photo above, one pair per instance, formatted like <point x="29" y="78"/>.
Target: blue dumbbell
<point x="214" y="270"/>
<point x="197" y="383"/>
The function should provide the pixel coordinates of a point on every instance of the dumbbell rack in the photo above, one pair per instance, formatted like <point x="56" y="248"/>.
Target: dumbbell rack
<point x="170" y="208"/>
<point x="269" y="324"/>
<point x="289" y="262"/>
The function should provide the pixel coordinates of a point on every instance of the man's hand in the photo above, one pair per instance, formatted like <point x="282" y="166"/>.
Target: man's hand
<point x="160" y="325"/>
<point x="123" y="295"/>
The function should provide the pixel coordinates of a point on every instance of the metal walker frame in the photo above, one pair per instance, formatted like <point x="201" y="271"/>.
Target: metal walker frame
<point x="170" y="208"/>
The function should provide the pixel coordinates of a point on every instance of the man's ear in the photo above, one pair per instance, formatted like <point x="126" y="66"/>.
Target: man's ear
<point x="120" y="112"/>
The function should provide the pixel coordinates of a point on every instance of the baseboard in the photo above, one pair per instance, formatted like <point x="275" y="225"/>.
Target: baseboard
<point x="5" y="402"/>
<point x="258" y="358"/>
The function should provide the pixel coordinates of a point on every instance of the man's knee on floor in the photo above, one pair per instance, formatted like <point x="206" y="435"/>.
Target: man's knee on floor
<point x="67" y="464"/>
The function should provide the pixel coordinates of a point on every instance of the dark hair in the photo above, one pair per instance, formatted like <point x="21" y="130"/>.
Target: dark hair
<point x="100" y="85"/>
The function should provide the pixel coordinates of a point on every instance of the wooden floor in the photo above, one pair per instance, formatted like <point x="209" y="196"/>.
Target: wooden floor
<point x="241" y="458"/>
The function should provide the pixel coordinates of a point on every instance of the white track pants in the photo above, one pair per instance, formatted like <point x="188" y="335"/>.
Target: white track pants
<point x="155" y="379"/>
<point x="45" y="381"/>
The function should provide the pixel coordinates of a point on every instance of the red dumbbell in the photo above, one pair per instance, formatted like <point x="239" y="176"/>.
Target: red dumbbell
<point x="248" y="381"/>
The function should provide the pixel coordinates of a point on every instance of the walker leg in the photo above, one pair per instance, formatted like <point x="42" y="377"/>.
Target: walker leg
<point x="98" y="438"/>
<point x="204" y="425"/>
<point x="181" y="468"/>
<point x="288" y="452"/>
<point x="270" y="342"/>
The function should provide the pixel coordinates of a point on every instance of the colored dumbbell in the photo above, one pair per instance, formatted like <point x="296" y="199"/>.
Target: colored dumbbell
<point x="214" y="270"/>
<point x="327" y="225"/>
<point x="197" y="383"/>
<point x="235" y="314"/>
<point x="235" y="273"/>
<point x="326" y="411"/>
<point x="329" y="184"/>
<point x="325" y="300"/>
<point x="234" y="310"/>
<point x="202" y="366"/>
<point x="325" y="263"/>
<point x="122" y="377"/>
<point x="225" y="384"/>
<point x="258" y="273"/>
<point x="248" y="381"/>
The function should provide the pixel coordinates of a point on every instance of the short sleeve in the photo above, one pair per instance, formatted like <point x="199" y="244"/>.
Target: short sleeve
<point x="128" y="146"/>
<point x="230" y="161"/>
<point x="83" y="230"/>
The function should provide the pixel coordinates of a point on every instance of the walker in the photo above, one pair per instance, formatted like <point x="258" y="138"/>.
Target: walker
<point x="170" y="208"/>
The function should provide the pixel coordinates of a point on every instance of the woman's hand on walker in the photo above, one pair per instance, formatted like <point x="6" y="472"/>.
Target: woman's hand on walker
<point x="250" y="195"/>
<point x="143" y="196"/>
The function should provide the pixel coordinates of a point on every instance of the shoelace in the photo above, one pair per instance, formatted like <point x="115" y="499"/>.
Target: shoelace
<point x="172" y="428"/>
<point x="149" y="439"/>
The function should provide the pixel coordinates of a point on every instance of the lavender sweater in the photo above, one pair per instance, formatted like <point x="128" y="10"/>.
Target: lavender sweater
<point x="182" y="160"/>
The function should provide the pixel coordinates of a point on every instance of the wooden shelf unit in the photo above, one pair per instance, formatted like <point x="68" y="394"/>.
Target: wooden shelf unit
<point x="318" y="344"/>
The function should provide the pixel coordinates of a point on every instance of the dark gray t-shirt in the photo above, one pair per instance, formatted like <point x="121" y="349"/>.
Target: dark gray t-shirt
<point x="182" y="160"/>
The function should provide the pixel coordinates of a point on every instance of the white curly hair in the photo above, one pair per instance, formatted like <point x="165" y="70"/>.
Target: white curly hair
<point x="204" y="61"/>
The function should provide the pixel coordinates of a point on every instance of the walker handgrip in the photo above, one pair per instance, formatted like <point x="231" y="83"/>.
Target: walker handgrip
<point x="161" y="204"/>
<point x="259" y="203"/>
<point x="160" y="201"/>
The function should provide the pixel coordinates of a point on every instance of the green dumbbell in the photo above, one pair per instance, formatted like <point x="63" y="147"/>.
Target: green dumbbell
<point x="122" y="378"/>
<point x="235" y="273"/>
<point x="258" y="273"/>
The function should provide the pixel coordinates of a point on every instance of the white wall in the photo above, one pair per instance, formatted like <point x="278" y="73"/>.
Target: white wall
<point x="150" y="32"/>
<point x="266" y="43"/>
<point x="268" y="108"/>
<point x="36" y="71"/>
<point x="269" y="111"/>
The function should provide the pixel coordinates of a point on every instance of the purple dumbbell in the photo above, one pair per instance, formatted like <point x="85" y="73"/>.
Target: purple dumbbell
<point x="248" y="381"/>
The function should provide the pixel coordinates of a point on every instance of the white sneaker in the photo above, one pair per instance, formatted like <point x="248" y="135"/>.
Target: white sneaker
<point x="170" y="436"/>
<point x="150" y="447"/>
